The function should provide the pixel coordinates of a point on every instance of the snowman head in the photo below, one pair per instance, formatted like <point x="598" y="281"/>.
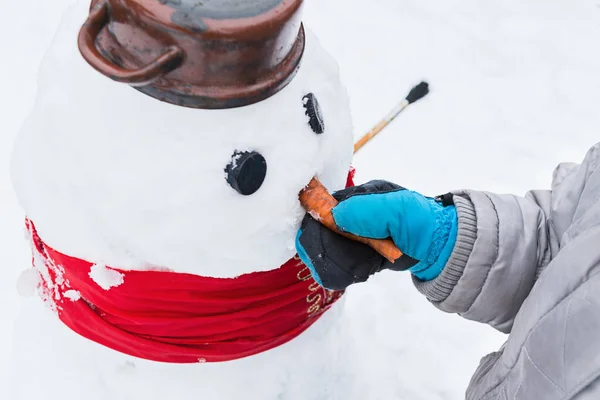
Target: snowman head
<point x="116" y="176"/>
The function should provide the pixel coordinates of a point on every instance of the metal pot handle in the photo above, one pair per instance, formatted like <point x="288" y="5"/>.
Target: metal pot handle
<point x="98" y="18"/>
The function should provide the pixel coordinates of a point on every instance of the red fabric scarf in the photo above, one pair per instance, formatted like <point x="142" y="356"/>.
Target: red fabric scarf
<point x="182" y="318"/>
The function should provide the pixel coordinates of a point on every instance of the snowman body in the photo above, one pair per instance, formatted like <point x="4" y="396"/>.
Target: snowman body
<point x="117" y="178"/>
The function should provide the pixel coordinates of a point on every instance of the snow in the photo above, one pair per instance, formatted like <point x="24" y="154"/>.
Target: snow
<point x="315" y="215"/>
<point x="514" y="91"/>
<point x="28" y="282"/>
<point x="105" y="277"/>
<point x="74" y="295"/>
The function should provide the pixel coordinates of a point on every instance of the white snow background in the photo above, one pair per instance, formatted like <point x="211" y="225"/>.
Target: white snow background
<point x="515" y="89"/>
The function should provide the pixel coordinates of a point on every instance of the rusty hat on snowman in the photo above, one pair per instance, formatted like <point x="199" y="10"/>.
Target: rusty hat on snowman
<point x="209" y="54"/>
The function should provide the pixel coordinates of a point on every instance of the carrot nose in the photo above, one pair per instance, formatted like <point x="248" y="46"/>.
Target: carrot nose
<point x="318" y="202"/>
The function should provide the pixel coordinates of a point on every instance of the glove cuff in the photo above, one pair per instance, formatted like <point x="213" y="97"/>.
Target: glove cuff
<point x="440" y="288"/>
<point x="442" y="242"/>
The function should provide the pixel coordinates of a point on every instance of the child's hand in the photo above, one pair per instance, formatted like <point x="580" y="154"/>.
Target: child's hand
<point x="421" y="227"/>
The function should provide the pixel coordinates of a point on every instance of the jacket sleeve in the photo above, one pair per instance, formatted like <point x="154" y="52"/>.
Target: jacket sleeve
<point x="505" y="241"/>
<point x="590" y="392"/>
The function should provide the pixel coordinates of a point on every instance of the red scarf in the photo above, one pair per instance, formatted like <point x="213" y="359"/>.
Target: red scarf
<point x="182" y="318"/>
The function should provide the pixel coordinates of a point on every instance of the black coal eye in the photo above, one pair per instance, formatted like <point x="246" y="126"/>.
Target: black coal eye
<point x="313" y="111"/>
<point x="246" y="172"/>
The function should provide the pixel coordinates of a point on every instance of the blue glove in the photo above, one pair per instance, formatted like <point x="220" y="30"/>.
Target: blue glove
<point x="423" y="228"/>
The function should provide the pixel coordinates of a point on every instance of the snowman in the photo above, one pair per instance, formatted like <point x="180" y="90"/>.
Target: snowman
<point x="159" y="172"/>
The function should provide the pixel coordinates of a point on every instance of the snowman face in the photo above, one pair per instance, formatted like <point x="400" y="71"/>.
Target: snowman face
<point x="113" y="176"/>
<point x="247" y="170"/>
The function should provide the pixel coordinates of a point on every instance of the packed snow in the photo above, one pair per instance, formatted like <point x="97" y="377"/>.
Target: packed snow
<point x="105" y="277"/>
<point x="28" y="282"/>
<point x="514" y="90"/>
<point x="74" y="295"/>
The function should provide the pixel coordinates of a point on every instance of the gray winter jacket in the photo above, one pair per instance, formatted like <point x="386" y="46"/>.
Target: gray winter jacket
<point x="530" y="266"/>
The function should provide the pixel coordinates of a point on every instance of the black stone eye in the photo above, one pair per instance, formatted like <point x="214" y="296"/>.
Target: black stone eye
<point x="313" y="111"/>
<point x="246" y="172"/>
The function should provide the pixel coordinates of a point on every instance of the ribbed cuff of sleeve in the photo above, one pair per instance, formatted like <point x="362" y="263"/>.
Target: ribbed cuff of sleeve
<point x="439" y="289"/>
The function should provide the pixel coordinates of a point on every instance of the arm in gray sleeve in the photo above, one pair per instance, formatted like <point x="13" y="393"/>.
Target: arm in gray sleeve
<point x="590" y="392"/>
<point x="504" y="242"/>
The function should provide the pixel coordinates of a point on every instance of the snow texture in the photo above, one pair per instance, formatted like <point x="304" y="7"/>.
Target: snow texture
<point x="105" y="277"/>
<point x="73" y="295"/>
<point x="514" y="90"/>
<point x="28" y="282"/>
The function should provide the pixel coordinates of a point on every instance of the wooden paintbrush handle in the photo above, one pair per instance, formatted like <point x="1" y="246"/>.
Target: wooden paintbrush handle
<point x="370" y="135"/>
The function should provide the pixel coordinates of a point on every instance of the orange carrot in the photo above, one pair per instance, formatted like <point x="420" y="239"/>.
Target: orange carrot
<point x="318" y="202"/>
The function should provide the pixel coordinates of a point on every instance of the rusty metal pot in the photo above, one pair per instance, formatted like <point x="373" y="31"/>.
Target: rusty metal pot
<point x="203" y="54"/>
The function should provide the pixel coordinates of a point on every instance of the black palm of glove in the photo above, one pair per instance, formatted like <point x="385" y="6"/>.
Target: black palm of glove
<point x="338" y="262"/>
